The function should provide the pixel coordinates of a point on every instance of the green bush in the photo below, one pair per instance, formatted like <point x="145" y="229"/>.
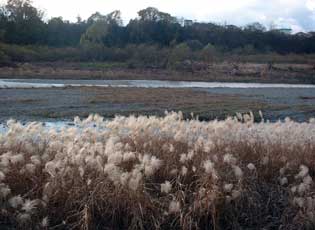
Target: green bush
<point x="19" y="53"/>
<point x="179" y="54"/>
<point x="4" y="59"/>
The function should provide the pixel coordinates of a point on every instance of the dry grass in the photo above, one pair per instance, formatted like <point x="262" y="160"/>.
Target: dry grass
<point x="156" y="101"/>
<point x="158" y="173"/>
<point x="226" y="71"/>
<point x="160" y="97"/>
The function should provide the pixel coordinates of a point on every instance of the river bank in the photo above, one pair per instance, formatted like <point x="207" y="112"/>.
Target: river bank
<point x="223" y="72"/>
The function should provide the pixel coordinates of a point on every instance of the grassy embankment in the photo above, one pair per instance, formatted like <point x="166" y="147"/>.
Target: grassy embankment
<point x="47" y="62"/>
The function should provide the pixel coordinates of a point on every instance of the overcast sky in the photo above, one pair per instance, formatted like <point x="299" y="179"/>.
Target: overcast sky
<point x="297" y="14"/>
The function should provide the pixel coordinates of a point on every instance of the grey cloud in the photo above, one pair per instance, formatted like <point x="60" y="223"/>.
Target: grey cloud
<point x="292" y="13"/>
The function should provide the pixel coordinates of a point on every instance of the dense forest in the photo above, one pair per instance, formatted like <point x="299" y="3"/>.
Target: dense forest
<point x="26" y="36"/>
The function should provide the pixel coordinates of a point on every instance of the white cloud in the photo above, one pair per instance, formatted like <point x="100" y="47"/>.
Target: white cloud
<point x="289" y="23"/>
<point x="310" y="4"/>
<point x="299" y="14"/>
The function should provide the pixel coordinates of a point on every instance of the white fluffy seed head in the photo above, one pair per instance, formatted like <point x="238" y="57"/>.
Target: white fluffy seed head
<point x="308" y="180"/>
<point x="228" y="199"/>
<point x="173" y="172"/>
<point x="236" y="194"/>
<point x="36" y="160"/>
<point x="303" y="172"/>
<point x="293" y="189"/>
<point x="113" y="172"/>
<point x="151" y="165"/>
<point x="251" y="166"/>
<point x="202" y="192"/>
<point x="166" y="187"/>
<point x="302" y="188"/>
<point x="208" y="166"/>
<point x="50" y="168"/>
<point x="265" y="160"/>
<point x="115" y="158"/>
<point x="4" y="190"/>
<point x="16" y="201"/>
<point x="171" y="148"/>
<point x="155" y="162"/>
<point x="183" y="158"/>
<point x="310" y="202"/>
<point x="135" y="180"/>
<point x="284" y="181"/>
<point x="184" y="171"/>
<point x="29" y="205"/>
<point x="237" y="171"/>
<point x="174" y="207"/>
<point x="2" y="176"/>
<point x="19" y="158"/>
<point x="45" y="222"/>
<point x="299" y="201"/>
<point x="30" y="168"/>
<point x="190" y="155"/>
<point x="128" y="156"/>
<point x="282" y="171"/>
<point x="228" y="187"/>
<point x="23" y="218"/>
<point x="229" y="159"/>
<point x="124" y="177"/>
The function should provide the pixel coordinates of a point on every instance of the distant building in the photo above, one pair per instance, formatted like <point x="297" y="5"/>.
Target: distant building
<point x="281" y="27"/>
<point x="285" y="30"/>
<point x="188" y="22"/>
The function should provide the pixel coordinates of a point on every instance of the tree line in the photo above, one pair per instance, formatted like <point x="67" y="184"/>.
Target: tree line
<point x="22" y="24"/>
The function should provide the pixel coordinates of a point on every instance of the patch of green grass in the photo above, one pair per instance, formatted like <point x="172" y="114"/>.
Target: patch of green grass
<point x="103" y="65"/>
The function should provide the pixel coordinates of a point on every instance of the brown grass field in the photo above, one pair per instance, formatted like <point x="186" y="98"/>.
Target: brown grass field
<point x="221" y="71"/>
<point x="158" y="173"/>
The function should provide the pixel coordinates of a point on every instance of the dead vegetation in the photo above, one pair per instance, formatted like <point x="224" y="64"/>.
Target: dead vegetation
<point x="158" y="173"/>
<point x="193" y="71"/>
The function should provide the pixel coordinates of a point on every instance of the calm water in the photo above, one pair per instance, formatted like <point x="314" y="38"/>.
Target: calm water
<point x="57" y="125"/>
<point x="38" y="83"/>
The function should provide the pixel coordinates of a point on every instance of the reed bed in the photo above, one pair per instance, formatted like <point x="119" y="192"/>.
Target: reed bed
<point x="158" y="173"/>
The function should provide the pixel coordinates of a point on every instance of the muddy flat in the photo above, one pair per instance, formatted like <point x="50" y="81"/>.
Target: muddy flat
<point x="56" y="104"/>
